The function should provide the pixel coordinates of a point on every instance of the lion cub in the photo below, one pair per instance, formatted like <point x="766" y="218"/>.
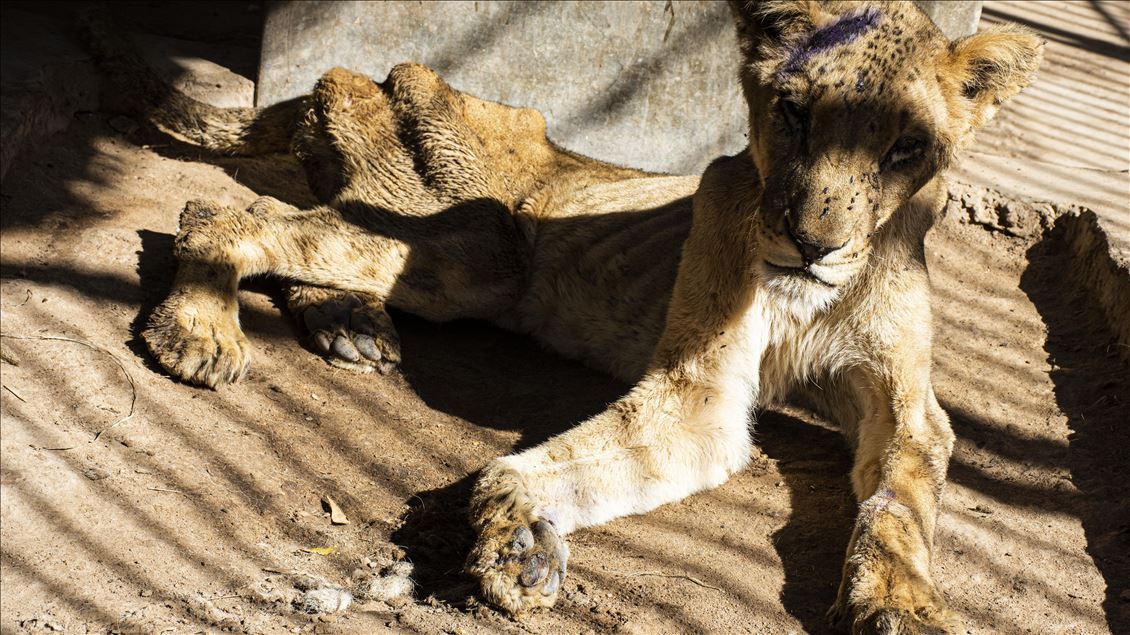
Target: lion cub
<point x="796" y="263"/>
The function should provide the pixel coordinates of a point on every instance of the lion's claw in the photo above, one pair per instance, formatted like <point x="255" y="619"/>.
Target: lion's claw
<point x="925" y="620"/>
<point x="353" y="334"/>
<point x="520" y="565"/>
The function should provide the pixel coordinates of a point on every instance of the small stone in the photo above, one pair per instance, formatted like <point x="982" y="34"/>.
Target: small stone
<point x="145" y="593"/>
<point x="96" y="473"/>
<point x="385" y="588"/>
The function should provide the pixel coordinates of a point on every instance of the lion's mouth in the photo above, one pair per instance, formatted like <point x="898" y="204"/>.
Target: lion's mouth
<point x="804" y="271"/>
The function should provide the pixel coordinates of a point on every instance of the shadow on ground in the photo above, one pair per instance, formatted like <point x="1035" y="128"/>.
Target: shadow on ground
<point x="1092" y="390"/>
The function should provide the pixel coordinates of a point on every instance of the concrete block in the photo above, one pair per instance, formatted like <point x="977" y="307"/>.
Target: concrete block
<point x="955" y="18"/>
<point x="46" y="78"/>
<point x="647" y="84"/>
<point x="189" y="67"/>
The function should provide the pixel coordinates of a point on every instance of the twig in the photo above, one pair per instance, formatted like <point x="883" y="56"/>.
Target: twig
<point x="166" y="489"/>
<point x="279" y="571"/>
<point x="129" y="378"/>
<point x="669" y="8"/>
<point x="658" y="574"/>
<point x="26" y="299"/>
<point x="15" y="394"/>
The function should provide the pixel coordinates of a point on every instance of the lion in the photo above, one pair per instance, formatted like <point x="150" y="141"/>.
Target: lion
<point x="795" y="267"/>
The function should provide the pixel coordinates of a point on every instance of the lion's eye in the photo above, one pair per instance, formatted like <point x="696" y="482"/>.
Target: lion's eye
<point x="794" y="114"/>
<point x="904" y="152"/>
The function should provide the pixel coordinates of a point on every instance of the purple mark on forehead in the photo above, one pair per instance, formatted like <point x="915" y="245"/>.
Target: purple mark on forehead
<point x="840" y="32"/>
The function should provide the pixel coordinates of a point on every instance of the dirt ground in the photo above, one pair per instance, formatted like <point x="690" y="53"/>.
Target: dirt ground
<point x="135" y="504"/>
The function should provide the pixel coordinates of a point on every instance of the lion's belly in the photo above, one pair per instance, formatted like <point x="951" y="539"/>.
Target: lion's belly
<point x="600" y="282"/>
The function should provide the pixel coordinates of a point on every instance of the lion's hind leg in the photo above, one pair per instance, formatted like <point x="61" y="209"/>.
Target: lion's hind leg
<point x="351" y="329"/>
<point x="422" y="180"/>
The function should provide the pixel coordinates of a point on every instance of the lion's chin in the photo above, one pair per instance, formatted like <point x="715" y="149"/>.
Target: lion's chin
<point x="805" y="290"/>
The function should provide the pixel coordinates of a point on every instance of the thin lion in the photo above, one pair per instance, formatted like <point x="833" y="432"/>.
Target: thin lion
<point x="794" y="266"/>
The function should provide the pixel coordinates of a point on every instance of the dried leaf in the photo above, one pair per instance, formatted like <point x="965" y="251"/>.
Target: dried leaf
<point x="337" y="517"/>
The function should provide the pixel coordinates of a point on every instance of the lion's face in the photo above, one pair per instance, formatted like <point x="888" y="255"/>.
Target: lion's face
<point x="853" y="108"/>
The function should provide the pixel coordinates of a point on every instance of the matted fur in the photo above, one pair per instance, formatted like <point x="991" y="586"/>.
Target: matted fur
<point x="797" y="265"/>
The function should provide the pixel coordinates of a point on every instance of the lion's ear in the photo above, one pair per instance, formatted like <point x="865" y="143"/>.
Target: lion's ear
<point x="993" y="65"/>
<point x="763" y="23"/>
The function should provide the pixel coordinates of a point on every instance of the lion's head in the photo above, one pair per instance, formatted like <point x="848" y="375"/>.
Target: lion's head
<point x="854" y="107"/>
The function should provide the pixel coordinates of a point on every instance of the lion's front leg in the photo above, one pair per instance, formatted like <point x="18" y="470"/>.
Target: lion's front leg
<point x="194" y="333"/>
<point x="903" y="447"/>
<point x="664" y="441"/>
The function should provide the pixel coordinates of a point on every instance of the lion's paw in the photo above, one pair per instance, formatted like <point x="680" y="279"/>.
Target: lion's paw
<point x="197" y="343"/>
<point x="520" y="566"/>
<point x="926" y="620"/>
<point x="353" y="334"/>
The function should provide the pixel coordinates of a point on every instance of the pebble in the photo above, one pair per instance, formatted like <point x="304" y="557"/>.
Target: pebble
<point x="96" y="473"/>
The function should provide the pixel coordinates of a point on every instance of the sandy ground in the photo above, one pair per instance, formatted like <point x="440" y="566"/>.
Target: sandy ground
<point x="135" y="504"/>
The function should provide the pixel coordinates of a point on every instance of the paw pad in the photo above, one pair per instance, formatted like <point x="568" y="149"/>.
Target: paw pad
<point x="520" y="566"/>
<point x="353" y="334"/>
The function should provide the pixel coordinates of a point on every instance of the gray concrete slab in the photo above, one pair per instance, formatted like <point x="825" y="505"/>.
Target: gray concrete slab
<point x="648" y="84"/>
<point x="48" y="76"/>
<point x="186" y="65"/>
<point x="45" y="77"/>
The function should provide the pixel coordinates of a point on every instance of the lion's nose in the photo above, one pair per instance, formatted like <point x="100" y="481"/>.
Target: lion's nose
<point x="810" y="250"/>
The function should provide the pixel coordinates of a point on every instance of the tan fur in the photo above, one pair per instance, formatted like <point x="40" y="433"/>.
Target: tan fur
<point x="797" y="263"/>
